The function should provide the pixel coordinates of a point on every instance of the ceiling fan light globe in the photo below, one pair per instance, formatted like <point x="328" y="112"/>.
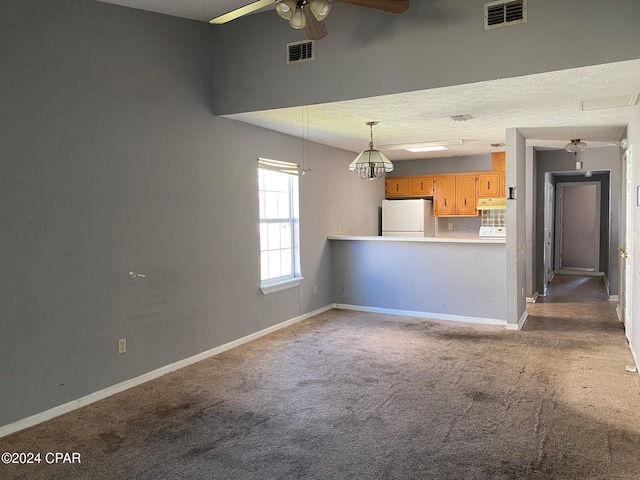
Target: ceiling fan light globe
<point x="320" y="9"/>
<point x="285" y="8"/>
<point x="297" y="20"/>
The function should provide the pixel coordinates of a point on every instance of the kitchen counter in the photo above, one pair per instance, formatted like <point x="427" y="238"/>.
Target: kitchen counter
<point x="421" y="239"/>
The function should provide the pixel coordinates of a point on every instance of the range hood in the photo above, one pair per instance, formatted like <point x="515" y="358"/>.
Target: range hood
<point x="499" y="203"/>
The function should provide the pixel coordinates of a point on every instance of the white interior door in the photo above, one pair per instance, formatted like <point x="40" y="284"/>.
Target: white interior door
<point x="626" y="267"/>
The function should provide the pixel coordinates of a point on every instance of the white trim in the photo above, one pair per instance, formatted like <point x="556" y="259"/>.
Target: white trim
<point x="635" y="358"/>
<point x="614" y="298"/>
<point x="410" y="313"/>
<point x="533" y="299"/>
<point x="520" y="324"/>
<point x="279" y="286"/>
<point x="134" y="382"/>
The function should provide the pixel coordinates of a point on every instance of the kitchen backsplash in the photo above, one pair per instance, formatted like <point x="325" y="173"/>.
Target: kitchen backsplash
<point x="493" y="218"/>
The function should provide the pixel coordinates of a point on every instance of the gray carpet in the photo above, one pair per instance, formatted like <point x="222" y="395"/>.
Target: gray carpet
<point x="350" y="395"/>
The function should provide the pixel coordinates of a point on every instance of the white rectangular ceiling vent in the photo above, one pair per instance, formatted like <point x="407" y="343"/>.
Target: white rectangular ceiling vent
<point x="501" y="14"/>
<point x="298" y="52"/>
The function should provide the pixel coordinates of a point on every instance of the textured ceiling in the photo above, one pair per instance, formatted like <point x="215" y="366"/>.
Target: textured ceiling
<point x="543" y="106"/>
<point x="203" y="10"/>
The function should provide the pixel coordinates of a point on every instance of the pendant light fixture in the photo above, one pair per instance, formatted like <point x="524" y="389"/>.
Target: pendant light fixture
<point x="371" y="163"/>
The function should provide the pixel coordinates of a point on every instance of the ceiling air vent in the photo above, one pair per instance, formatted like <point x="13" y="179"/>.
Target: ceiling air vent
<point x="298" y="52"/>
<point x="501" y="13"/>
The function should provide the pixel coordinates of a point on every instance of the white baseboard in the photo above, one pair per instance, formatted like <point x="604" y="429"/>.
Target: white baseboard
<point x="613" y="298"/>
<point x="635" y="358"/>
<point x="411" y="313"/>
<point x="521" y="322"/>
<point x="533" y="299"/>
<point x="127" y="384"/>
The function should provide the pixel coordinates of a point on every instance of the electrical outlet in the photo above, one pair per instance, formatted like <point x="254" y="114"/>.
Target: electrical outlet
<point x="450" y="226"/>
<point x="315" y="289"/>
<point x="340" y="230"/>
<point x="122" y="345"/>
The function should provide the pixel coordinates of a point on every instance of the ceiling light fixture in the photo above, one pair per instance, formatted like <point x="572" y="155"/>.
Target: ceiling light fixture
<point x="297" y="20"/>
<point x="292" y="10"/>
<point x="417" y="147"/>
<point x="575" y="146"/>
<point x="371" y="163"/>
<point x="320" y="8"/>
<point x="435" y="148"/>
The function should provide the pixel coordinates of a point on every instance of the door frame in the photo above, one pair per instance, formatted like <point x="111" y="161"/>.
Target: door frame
<point x="559" y="212"/>
<point x="548" y="260"/>
<point x="626" y="263"/>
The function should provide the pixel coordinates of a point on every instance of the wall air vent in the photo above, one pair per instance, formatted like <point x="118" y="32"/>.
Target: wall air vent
<point x="501" y="13"/>
<point x="298" y="52"/>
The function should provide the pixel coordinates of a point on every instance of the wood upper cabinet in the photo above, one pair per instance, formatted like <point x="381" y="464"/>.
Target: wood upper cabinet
<point x="503" y="185"/>
<point x="420" y="186"/>
<point x="444" y="196"/>
<point x="498" y="161"/>
<point x="489" y="184"/>
<point x="396" y="187"/>
<point x="466" y="195"/>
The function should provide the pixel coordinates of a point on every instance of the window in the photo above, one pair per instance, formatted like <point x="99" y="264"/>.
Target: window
<point x="279" y="252"/>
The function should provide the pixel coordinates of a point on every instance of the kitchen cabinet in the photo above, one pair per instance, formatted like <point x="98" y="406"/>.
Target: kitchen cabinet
<point x="444" y="195"/>
<point x="455" y="195"/>
<point x="503" y="185"/>
<point x="489" y="184"/>
<point x="421" y="186"/>
<point x="396" y="187"/>
<point x="498" y="161"/>
<point x="466" y="195"/>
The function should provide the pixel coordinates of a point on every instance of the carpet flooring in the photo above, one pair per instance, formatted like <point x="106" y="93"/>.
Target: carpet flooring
<point x="352" y="395"/>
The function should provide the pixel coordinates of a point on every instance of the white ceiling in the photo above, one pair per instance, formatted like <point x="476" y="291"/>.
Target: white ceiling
<point x="203" y="10"/>
<point x="543" y="106"/>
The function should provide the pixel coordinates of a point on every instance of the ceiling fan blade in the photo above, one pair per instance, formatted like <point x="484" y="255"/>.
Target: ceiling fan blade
<point x="315" y="28"/>
<point x="393" y="6"/>
<point x="239" y="12"/>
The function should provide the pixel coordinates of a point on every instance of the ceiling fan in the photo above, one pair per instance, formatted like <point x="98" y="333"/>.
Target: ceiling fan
<point x="309" y="14"/>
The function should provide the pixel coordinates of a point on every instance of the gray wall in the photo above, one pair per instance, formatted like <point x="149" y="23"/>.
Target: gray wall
<point x="604" y="159"/>
<point x="429" y="166"/>
<point x="464" y="279"/>
<point x="516" y="273"/>
<point x="112" y="161"/>
<point x="442" y="42"/>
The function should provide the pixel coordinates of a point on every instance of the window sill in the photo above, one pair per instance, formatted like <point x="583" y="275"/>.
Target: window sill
<point x="276" y="287"/>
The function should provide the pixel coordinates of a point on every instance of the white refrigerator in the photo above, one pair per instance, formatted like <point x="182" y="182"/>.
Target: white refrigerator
<point x="408" y="218"/>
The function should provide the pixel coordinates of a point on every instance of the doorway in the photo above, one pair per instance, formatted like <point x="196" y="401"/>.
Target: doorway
<point x="577" y="249"/>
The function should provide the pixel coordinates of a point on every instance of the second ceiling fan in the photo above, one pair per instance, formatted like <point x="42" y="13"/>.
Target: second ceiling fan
<point x="309" y="14"/>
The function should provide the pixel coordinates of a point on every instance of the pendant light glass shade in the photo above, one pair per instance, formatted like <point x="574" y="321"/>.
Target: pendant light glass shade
<point x="371" y="163"/>
<point x="285" y="8"/>
<point x="320" y="8"/>
<point x="297" y="19"/>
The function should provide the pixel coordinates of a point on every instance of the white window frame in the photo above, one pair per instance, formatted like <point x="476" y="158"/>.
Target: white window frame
<point x="293" y="278"/>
